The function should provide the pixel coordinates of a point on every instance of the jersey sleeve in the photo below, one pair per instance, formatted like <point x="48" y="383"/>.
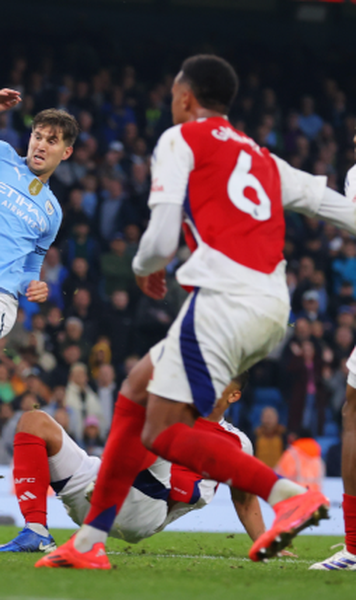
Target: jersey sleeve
<point x="172" y="162"/>
<point x="350" y="184"/>
<point x="301" y="192"/>
<point x="34" y="260"/>
<point x="5" y="149"/>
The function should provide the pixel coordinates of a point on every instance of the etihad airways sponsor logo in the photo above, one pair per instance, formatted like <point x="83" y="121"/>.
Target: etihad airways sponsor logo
<point x="22" y="207"/>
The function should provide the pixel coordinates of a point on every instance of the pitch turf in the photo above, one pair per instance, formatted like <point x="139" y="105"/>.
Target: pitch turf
<point x="179" y="566"/>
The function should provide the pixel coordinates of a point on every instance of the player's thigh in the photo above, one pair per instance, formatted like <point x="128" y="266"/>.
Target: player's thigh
<point x="8" y="313"/>
<point x="215" y="337"/>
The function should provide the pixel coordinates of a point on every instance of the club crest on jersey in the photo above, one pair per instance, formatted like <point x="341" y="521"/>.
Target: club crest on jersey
<point x="49" y="208"/>
<point x="35" y="187"/>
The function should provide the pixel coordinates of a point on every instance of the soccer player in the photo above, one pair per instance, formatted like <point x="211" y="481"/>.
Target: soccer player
<point x="44" y="454"/>
<point x="231" y="194"/>
<point x="30" y="215"/>
<point x="345" y="559"/>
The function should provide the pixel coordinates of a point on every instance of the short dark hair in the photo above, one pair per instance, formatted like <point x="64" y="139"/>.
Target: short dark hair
<point x="242" y="380"/>
<point x="212" y="80"/>
<point x="51" y="117"/>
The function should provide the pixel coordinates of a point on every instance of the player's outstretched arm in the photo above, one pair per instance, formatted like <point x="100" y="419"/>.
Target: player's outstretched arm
<point x="37" y="291"/>
<point x="9" y="99"/>
<point x="248" y="510"/>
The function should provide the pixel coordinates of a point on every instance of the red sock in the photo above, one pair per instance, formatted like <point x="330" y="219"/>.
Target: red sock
<point x="214" y="457"/>
<point x="116" y="476"/>
<point x="31" y="477"/>
<point x="349" y="507"/>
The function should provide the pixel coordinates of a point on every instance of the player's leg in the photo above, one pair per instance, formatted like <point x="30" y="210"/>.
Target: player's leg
<point x="37" y="437"/>
<point x="346" y="559"/>
<point x="8" y="313"/>
<point x="181" y="360"/>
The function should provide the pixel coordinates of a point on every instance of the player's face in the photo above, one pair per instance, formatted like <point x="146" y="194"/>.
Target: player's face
<point x="45" y="151"/>
<point x="180" y="101"/>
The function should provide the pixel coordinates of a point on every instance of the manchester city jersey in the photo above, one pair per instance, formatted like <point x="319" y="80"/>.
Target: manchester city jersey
<point x="30" y="217"/>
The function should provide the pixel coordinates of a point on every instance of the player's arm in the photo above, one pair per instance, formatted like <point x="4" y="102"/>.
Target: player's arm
<point x="157" y="247"/>
<point x="9" y="99"/>
<point x="31" y="286"/>
<point x="248" y="510"/>
<point x="309" y="195"/>
<point x="172" y="163"/>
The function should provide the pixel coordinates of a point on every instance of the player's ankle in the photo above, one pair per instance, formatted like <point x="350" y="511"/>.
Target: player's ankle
<point x="87" y="536"/>
<point x="38" y="528"/>
<point x="284" y="489"/>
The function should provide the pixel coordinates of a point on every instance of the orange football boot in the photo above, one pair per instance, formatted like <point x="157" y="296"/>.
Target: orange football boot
<point x="67" y="556"/>
<point x="292" y="516"/>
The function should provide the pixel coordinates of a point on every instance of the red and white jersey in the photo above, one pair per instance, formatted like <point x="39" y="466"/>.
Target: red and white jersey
<point x="350" y="184"/>
<point x="189" y="489"/>
<point x="233" y="194"/>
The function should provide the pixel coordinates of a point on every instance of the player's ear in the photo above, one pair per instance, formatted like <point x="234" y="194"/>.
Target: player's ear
<point x="67" y="152"/>
<point x="234" y="397"/>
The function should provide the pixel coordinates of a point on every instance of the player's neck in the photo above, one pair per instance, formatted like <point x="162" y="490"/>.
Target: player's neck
<point x="205" y="113"/>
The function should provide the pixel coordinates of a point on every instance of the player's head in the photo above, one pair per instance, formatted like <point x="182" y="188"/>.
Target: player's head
<point x="204" y="81"/>
<point x="232" y="393"/>
<point x="53" y="135"/>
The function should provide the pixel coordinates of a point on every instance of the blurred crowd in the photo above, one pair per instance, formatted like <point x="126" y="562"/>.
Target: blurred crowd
<point x="70" y="356"/>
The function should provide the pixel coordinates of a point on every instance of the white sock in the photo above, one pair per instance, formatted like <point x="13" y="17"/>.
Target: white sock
<point x="38" y="528"/>
<point x="283" y="489"/>
<point x="87" y="536"/>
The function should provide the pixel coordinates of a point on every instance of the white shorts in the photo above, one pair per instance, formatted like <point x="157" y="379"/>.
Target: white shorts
<point x="351" y="365"/>
<point x="214" y="338"/>
<point x="8" y="313"/>
<point x="142" y="514"/>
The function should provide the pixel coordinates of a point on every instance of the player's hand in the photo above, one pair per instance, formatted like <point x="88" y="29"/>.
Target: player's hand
<point x="153" y="285"/>
<point x="9" y="98"/>
<point x="37" y="291"/>
<point x="288" y="554"/>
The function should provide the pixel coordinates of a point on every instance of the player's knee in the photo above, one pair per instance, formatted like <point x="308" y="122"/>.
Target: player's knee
<point x="34" y="422"/>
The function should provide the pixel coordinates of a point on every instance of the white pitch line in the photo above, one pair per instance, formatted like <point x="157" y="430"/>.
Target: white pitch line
<point x="299" y="561"/>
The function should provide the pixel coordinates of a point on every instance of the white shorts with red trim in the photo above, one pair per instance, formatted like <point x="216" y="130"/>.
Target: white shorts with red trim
<point x="214" y="338"/>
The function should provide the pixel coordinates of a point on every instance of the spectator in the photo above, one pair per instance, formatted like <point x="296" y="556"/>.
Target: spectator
<point x="309" y="122"/>
<point x="107" y="390"/>
<point x="301" y="462"/>
<point x="116" y="266"/>
<point x="82" y="399"/>
<point x="54" y="274"/>
<point x="92" y="442"/>
<point x="269" y="437"/>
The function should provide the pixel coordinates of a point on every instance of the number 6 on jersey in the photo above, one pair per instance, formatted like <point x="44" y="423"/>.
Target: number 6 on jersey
<point x="241" y="179"/>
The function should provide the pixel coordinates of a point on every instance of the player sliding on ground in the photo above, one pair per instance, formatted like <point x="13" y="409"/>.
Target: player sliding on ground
<point x="30" y="215"/>
<point x="44" y="454"/>
<point x="230" y="194"/>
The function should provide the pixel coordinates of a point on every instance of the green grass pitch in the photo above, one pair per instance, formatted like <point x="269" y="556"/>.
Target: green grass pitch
<point x="179" y="566"/>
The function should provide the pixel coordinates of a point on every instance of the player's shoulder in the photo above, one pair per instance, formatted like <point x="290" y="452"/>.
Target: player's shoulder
<point x="8" y="152"/>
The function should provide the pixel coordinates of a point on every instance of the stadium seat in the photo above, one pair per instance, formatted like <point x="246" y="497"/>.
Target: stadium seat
<point x="331" y="429"/>
<point x="325" y="442"/>
<point x="268" y="396"/>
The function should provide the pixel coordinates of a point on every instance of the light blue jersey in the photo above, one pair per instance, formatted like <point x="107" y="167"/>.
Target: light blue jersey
<point x="30" y="217"/>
